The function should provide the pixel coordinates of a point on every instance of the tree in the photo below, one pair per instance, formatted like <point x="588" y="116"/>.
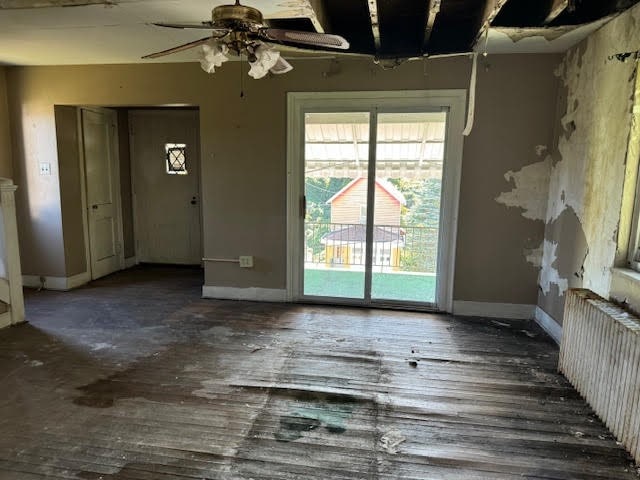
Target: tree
<point x="421" y="217"/>
<point x="426" y="210"/>
<point x="317" y="191"/>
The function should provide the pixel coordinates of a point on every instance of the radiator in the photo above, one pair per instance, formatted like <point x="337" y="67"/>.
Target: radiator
<point x="600" y="356"/>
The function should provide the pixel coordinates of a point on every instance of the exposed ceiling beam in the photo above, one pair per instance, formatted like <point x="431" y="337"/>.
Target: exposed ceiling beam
<point x="557" y="7"/>
<point x="375" y="24"/>
<point x="318" y="16"/>
<point x="434" y="9"/>
<point x="491" y="10"/>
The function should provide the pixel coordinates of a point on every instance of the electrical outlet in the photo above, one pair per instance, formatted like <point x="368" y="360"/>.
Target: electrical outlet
<point x="246" y="261"/>
<point x="45" y="168"/>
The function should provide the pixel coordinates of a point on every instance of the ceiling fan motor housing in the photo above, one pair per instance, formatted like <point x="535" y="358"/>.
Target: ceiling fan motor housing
<point x="230" y="16"/>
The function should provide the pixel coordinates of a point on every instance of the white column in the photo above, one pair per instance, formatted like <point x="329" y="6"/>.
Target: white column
<point x="11" y="254"/>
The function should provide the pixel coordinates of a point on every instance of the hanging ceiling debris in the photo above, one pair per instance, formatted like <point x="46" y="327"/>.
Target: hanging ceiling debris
<point x="414" y="28"/>
<point x="390" y="30"/>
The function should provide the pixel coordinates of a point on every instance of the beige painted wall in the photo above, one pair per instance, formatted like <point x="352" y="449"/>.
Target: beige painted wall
<point x="244" y="156"/>
<point x="589" y="159"/>
<point x="514" y="115"/>
<point x="70" y="189"/>
<point x="38" y="206"/>
<point x="126" y="199"/>
<point x="6" y="167"/>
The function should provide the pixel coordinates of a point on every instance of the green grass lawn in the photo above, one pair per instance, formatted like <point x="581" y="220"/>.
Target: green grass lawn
<point x="386" y="286"/>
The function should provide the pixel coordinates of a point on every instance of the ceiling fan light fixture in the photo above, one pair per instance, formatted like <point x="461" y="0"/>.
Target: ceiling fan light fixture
<point x="266" y="58"/>
<point x="213" y="54"/>
<point x="240" y="29"/>
<point x="281" y="66"/>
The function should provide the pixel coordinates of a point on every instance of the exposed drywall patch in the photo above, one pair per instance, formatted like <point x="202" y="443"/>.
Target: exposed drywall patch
<point x="548" y="33"/>
<point x="570" y="254"/>
<point x="549" y="275"/>
<point x="534" y="255"/>
<point x="531" y="189"/>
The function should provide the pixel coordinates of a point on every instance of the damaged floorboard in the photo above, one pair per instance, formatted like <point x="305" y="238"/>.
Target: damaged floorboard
<point x="136" y="377"/>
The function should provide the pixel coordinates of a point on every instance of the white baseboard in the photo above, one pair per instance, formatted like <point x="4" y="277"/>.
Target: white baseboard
<point x="130" y="262"/>
<point x="5" y="319"/>
<point x="57" y="283"/>
<point x="516" y="311"/>
<point x="253" y="293"/>
<point x="77" y="280"/>
<point x="549" y="325"/>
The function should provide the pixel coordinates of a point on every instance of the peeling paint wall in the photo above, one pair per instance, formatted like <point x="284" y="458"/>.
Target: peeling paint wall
<point x="531" y="189"/>
<point x="588" y="171"/>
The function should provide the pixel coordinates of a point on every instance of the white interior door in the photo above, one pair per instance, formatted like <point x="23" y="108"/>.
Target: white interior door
<point x="165" y="158"/>
<point x="103" y="199"/>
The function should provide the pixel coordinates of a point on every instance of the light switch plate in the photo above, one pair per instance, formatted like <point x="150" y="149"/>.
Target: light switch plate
<point x="45" y="168"/>
<point x="246" y="261"/>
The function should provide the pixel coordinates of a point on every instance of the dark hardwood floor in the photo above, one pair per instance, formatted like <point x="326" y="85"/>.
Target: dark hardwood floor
<point x="136" y="377"/>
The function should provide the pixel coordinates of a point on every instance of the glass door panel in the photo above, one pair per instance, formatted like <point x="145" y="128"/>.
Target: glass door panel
<point x="409" y="159"/>
<point x="335" y="189"/>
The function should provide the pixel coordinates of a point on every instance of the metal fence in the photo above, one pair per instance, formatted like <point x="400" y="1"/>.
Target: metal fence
<point x="404" y="248"/>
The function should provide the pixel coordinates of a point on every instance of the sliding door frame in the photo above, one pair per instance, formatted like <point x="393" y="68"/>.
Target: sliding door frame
<point x="374" y="102"/>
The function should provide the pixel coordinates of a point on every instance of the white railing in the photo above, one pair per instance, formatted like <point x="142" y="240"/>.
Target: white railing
<point x="10" y="275"/>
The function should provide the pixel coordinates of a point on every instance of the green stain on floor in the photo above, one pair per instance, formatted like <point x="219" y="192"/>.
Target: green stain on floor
<point x="332" y="417"/>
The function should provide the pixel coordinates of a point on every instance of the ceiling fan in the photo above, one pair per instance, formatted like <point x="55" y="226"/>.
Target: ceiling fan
<point x="241" y="30"/>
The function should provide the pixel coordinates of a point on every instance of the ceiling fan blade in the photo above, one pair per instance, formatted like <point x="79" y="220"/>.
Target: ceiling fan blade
<point x="281" y="66"/>
<point x="179" y="48"/>
<point x="198" y="25"/>
<point x="300" y="38"/>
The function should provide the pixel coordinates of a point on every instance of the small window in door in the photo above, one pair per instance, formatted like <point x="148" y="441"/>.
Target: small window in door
<point x="176" y="159"/>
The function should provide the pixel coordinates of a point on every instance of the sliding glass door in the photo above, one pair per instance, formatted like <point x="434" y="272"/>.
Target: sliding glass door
<point x="373" y="202"/>
<point x="335" y="190"/>
<point x="408" y="187"/>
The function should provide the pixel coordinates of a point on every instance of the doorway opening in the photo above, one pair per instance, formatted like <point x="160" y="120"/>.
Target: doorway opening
<point x="130" y="188"/>
<point x="165" y="179"/>
<point x="377" y="180"/>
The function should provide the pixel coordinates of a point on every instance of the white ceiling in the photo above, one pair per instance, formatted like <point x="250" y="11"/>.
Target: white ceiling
<point x="116" y="33"/>
<point x="121" y="32"/>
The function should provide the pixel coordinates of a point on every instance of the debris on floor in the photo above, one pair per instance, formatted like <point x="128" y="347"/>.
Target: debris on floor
<point x="35" y="363"/>
<point x="529" y="334"/>
<point x="391" y="440"/>
<point x="413" y="363"/>
<point x="500" y="324"/>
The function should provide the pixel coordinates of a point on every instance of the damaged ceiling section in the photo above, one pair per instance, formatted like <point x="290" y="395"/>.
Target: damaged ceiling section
<point x="414" y="28"/>
<point x="393" y="29"/>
